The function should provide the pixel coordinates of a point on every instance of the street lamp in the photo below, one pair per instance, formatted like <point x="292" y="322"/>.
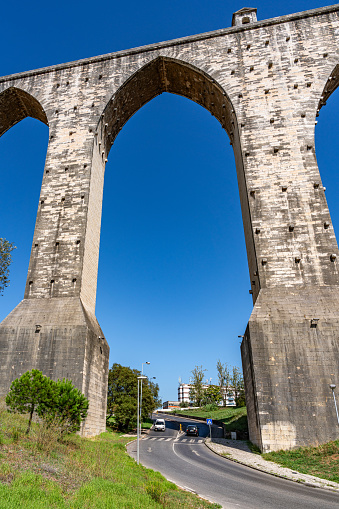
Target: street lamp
<point x="140" y="379"/>
<point x="335" y="403"/>
<point x="142" y="370"/>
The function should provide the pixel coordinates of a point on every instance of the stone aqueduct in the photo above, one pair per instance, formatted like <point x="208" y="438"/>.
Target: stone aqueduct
<point x="265" y="82"/>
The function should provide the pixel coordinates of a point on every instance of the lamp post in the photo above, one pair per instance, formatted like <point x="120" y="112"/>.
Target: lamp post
<point x="142" y="371"/>
<point x="335" y="403"/>
<point x="140" y="378"/>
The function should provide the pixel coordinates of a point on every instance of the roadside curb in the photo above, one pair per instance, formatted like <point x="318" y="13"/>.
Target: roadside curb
<point x="317" y="484"/>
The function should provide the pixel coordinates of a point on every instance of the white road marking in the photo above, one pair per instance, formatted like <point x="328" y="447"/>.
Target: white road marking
<point x="195" y="452"/>
<point x="168" y="439"/>
<point x="149" y="449"/>
<point x="184" y="440"/>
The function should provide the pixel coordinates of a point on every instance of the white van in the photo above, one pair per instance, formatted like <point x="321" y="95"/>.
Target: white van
<point x="159" y="425"/>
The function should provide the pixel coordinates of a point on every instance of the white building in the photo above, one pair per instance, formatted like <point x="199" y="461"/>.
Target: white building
<point x="227" y="393"/>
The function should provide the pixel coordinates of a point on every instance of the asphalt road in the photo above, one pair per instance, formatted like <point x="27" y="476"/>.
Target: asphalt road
<point x="189" y="463"/>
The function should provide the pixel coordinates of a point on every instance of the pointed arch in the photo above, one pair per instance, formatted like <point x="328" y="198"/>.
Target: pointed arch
<point x="331" y="85"/>
<point x="164" y="74"/>
<point x="15" y="105"/>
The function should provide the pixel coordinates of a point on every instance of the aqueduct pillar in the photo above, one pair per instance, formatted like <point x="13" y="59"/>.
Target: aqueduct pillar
<point x="265" y="82"/>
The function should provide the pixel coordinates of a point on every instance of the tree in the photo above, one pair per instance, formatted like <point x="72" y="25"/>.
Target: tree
<point x="68" y="406"/>
<point x="58" y="402"/>
<point x="224" y="377"/>
<point x="123" y="393"/>
<point x="237" y="383"/>
<point x="213" y="395"/>
<point x="30" y="393"/>
<point x="197" y="390"/>
<point x="5" y="260"/>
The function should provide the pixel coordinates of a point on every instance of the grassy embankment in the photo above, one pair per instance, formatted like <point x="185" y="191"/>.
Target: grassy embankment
<point x="235" y="419"/>
<point x="321" y="461"/>
<point x="39" y="472"/>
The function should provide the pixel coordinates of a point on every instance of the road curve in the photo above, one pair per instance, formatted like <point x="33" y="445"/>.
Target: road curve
<point x="190" y="464"/>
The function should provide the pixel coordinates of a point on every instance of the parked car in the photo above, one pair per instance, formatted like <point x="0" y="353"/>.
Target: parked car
<point x="159" y="425"/>
<point x="192" y="429"/>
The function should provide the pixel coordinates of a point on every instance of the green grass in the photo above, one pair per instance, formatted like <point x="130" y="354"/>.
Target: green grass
<point x="147" y="424"/>
<point x="321" y="461"/>
<point x="235" y="419"/>
<point x="40" y="472"/>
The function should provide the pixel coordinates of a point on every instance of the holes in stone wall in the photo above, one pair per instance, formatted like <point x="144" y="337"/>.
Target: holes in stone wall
<point x="52" y="287"/>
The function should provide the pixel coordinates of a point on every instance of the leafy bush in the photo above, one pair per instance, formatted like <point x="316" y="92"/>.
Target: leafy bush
<point x="240" y="401"/>
<point x="210" y="407"/>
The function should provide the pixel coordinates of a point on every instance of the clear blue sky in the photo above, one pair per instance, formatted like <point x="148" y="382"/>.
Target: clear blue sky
<point x="173" y="277"/>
